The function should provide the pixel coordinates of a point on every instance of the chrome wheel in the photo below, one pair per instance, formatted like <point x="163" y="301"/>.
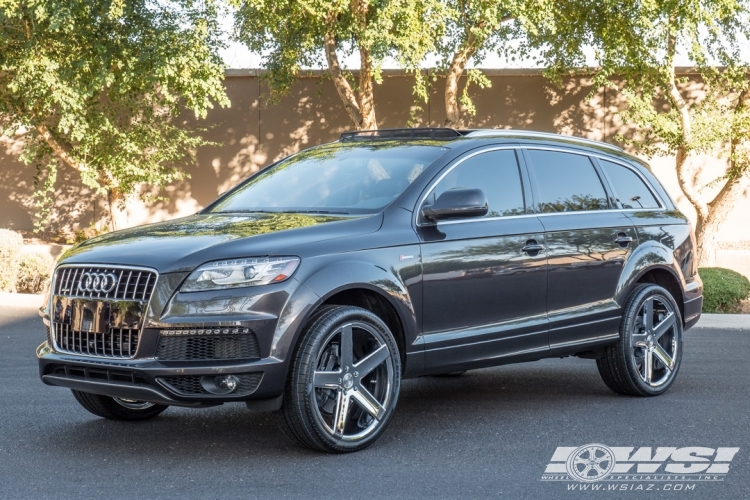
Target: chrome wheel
<point x="343" y="383"/>
<point x="647" y="356"/>
<point x="655" y="341"/>
<point x="132" y="404"/>
<point x="353" y="380"/>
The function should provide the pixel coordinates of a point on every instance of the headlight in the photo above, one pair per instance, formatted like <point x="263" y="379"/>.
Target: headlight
<point x="240" y="273"/>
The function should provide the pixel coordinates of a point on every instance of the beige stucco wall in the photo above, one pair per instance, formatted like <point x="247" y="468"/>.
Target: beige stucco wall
<point x="253" y="133"/>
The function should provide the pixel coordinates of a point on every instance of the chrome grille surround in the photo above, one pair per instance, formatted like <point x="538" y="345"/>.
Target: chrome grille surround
<point x="134" y="285"/>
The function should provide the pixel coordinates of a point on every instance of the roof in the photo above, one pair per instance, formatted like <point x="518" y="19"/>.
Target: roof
<point x="448" y="134"/>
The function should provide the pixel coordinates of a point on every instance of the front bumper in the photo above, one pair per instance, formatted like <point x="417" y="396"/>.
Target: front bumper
<point x="160" y="382"/>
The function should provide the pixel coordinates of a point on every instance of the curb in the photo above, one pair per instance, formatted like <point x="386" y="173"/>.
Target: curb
<point x="21" y="300"/>
<point x="724" y="321"/>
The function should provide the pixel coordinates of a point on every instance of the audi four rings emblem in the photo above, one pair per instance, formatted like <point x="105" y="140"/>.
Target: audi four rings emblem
<point x="97" y="282"/>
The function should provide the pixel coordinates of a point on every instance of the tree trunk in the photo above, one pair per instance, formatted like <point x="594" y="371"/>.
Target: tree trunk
<point x="366" y="97"/>
<point x="707" y="228"/>
<point x="458" y="65"/>
<point x="337" y="75"/>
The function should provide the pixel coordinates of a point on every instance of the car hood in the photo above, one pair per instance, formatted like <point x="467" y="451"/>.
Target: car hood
<point x="183" y="244"/>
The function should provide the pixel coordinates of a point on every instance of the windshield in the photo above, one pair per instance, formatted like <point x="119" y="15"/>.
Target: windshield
<point x="340" y="178"/>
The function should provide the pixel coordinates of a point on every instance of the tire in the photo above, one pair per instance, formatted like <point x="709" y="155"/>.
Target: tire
<point x="340" y="400"/>
<point x="116" y="408"/>
<point x="647" y="356"/>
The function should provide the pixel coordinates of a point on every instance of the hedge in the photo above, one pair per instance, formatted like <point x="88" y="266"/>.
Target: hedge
<point x="34" y="270"/>
<point x="723" y="290"/>
<point x="10" y="250"/>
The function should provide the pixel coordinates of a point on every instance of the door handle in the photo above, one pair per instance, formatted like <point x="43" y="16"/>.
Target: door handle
<point x="532" y="247"/>
<point x="623" y="240"/>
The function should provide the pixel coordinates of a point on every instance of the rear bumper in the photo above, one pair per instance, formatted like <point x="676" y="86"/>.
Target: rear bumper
<point x="160" y="382"/>
<point x="693" y="302"/>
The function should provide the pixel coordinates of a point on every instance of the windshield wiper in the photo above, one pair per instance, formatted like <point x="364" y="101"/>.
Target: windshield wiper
<point x="262" y="211"/>
<point x="313" y="212"/>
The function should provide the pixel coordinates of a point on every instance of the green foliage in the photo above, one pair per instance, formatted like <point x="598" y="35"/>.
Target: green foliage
<point x="98" y="85"/>
<point x="635" y="45"/>
<point x="10" y="249"/>
<point x="34" y="270"/>
<point x="291" y="34"/>
<point x="723" y="290"/>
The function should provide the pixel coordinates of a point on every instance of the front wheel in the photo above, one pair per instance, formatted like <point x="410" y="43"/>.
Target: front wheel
<point x="645" y="360"/>
<point x="117" y="408"/>
<point x="343" y="382"/>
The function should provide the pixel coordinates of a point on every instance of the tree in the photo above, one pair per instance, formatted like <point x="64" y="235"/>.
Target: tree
<point x="636" y="45"/>
<point x="97" y="86"/>
<point x="473" y="28"/>
<point x="294" y="34"/>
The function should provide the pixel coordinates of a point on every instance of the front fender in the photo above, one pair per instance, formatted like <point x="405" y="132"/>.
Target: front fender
<point x="399" y="284"/>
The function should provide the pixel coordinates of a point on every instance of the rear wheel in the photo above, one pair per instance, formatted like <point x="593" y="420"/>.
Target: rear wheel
<point x="117" y="408"/>
<point x="343" y="383"/>
<point x="646" y="358"/>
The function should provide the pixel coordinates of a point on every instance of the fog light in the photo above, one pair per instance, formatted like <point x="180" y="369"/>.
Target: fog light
<point x="221" y="384"/>
<point x="227" y="382"/>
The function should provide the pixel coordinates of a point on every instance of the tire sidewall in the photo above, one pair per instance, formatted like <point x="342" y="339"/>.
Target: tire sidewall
<point x="630" y="317"/>
<point x="304" y="366"/>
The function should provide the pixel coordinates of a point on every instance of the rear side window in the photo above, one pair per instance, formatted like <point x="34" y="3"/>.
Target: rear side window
<point x="567" y="182"/>
<point x="494" y="172"/>
<point x="630" y="190"/>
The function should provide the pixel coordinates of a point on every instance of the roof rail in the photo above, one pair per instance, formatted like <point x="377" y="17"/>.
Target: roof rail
<point x="402" y="133"/>
<point x="539" y="135"/>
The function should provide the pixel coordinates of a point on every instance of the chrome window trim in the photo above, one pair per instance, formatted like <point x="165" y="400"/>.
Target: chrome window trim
<point x="449" y="170"/>
<point x="662" y="205"/>
<point x="52" y="295"/>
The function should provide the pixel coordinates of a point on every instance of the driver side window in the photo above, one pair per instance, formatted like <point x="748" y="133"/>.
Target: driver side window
<point x="494" y="172"/>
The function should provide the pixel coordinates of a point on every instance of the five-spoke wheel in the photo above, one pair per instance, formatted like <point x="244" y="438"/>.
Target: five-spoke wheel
<point x="344" y="381"/>
<point x="645" y="360"/>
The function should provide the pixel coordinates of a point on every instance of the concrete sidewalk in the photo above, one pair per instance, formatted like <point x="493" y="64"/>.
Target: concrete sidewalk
<point x="723" y="321"/>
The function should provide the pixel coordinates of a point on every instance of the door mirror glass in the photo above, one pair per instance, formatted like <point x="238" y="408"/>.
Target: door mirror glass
<point x="457" y="203"/>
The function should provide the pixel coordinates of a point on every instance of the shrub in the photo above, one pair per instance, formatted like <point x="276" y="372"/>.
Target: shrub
<point x="723" y="290"/>
<point x="34" y="269"/>
<point x="10" y="249"/>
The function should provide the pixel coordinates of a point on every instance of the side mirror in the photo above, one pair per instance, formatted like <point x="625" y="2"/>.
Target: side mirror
<point x="457" y="204"/>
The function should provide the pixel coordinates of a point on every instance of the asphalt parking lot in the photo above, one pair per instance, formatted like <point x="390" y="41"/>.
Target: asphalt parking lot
<point x="488" y="433"/>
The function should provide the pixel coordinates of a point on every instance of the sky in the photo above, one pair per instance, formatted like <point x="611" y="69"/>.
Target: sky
<point x="238" y="56"/>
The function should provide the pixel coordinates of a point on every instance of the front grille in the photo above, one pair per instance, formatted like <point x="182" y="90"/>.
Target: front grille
<point x="190" y="385"/>
<point x="117" y="343"/>
<point x="175" y="346"/>
<point x="132" y="284"/>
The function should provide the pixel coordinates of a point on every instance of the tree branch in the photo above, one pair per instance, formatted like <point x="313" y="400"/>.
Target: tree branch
<point x="682" y="165"/>
<point x="60" y="150"/>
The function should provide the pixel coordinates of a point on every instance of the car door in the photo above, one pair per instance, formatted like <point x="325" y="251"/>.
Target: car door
<point x="588" y="241"/>
<point x="484" y="279"/>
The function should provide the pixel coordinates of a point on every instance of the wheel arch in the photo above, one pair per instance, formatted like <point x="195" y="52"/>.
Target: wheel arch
<point x="358" y="284"/>
<point x="652" y="262"/>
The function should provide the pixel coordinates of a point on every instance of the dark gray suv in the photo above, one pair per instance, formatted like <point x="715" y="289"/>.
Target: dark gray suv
<point x="315" y="286"/>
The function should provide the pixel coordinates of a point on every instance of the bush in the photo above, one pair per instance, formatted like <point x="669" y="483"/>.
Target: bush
<point x="10" y="249"/>
<point x="723" y="290"/>
<point x="34" y="269"/>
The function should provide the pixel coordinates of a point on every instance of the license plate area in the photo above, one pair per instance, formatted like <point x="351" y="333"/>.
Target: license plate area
<point x="97" y="316"/>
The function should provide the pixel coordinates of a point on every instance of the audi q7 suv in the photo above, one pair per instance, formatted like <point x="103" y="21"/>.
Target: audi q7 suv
<point x="316" y="285"/>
